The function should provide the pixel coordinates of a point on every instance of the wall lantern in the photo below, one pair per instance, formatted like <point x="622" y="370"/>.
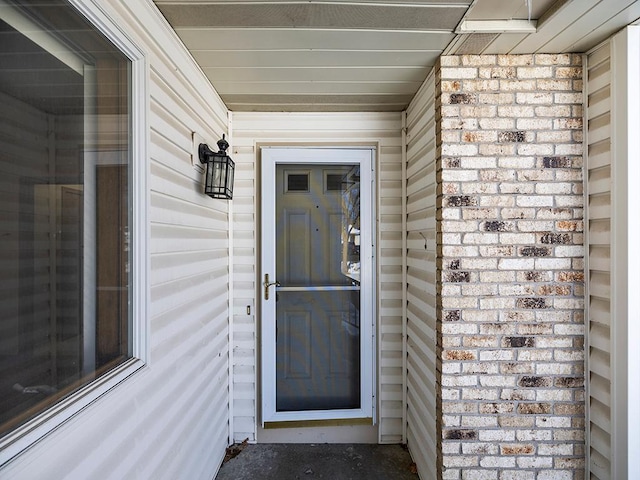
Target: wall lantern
<point x="218" y="176"/>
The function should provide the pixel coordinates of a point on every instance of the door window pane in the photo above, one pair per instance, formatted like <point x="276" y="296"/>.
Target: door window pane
<point x="64" y="204"/>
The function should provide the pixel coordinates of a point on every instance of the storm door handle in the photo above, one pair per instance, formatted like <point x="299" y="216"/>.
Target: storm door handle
<point x="267" y="284"/>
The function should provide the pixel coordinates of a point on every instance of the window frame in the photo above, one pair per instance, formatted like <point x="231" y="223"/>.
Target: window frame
<point x="34" y="430"/>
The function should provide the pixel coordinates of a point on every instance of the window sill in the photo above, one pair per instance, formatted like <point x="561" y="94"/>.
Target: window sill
<point x="34" y="430"/>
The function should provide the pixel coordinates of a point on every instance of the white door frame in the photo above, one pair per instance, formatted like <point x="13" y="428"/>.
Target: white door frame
<point x="322" y="156"/>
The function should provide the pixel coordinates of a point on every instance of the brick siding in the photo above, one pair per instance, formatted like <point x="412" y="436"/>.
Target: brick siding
<point x="511" y="326"/>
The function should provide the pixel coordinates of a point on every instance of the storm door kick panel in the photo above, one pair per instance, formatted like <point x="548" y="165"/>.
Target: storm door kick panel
<point x="317" y="284"/>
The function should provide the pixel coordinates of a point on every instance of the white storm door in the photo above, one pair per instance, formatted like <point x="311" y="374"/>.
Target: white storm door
<point x="317" y="284"/>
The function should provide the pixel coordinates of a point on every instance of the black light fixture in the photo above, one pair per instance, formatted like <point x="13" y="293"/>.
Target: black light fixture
<point x="218" y="176"/>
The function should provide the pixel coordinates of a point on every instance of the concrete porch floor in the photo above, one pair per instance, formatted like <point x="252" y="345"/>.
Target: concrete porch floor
<point x="313" y="461"/>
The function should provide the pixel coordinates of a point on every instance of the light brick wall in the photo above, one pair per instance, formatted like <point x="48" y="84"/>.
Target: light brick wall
<point x="511" y="324"/>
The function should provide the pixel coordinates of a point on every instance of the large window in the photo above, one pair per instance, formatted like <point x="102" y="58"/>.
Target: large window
<point x="66" y="208"/>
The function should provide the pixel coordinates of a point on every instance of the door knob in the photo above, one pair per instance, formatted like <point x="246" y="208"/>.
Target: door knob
<point x="267" y="284"/>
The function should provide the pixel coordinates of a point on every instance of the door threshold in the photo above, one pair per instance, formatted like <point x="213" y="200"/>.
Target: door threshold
<point x="339" y="422"/>
<point x="320" y="431"/>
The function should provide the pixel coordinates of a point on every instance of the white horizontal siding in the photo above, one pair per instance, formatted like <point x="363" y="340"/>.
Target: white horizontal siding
<point x="613" y="123"/>
<point x="169" y="420"/>
<point x="421" y="280"/>
<point x="375" y="129"/>
<point x="598" y="115"/>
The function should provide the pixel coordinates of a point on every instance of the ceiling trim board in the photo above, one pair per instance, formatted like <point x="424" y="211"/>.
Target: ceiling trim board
<point x="430" y="3"/>
<point x="496" y="26"/>
<point x="319" y="74"/>
<point x="313" y="108"/>
<point x="321" y="50"/>
<point x="317" y="88"/>
<point x="316" y="58"/>
<point x="318" y="99"/>
<point x="267" y="39"/>
<point x="309" y="15"/>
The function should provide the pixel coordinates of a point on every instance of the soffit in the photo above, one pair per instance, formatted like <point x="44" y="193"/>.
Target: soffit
<point x="367" y="55"/>
<point x="315" y="56"/>
<point x="563" y="26"/>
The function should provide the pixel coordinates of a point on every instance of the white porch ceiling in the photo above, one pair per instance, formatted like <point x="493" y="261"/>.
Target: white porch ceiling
<point x="365" y="55"/>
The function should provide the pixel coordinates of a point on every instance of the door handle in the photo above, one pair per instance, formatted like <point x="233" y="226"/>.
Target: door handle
<point x="267" y="284"/>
